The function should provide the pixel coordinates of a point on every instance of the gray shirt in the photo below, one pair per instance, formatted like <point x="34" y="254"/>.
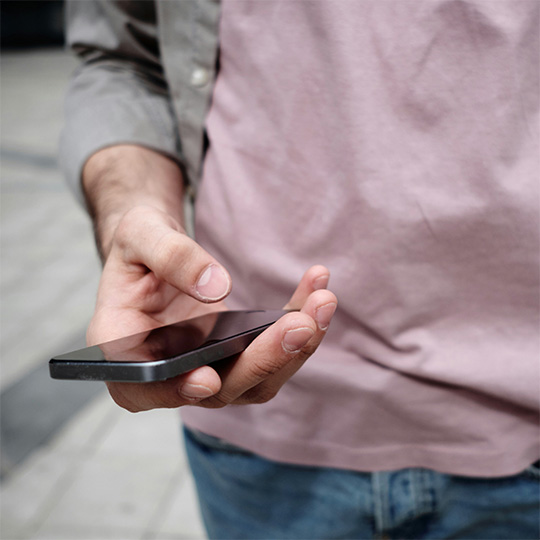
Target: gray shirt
<point x="146" y="78"/>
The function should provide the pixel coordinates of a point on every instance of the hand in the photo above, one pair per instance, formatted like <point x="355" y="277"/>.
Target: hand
<point x="155" y="274"/>
<point x="257" y="374"/>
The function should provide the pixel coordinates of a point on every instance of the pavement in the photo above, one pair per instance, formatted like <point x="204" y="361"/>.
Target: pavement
<point x="74" y="465"/>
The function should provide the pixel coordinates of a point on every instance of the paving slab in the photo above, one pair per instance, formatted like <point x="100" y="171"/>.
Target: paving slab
<point x="34" y="409"/>
<point x="118" y="493"/>
<point x="180" y="517"/>
<point x="106" y="475"/>
<point x="27" y="496"/>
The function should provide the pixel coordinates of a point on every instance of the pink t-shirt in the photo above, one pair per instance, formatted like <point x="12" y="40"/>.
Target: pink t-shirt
<point x="395" y="142"/>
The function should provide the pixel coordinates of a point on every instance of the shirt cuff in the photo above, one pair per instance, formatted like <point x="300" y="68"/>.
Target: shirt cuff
<point x="146" y="121"/>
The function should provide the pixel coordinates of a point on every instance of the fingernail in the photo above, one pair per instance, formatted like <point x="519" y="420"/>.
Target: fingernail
<point x="321" y="282"/>
<point x="295" y="339"/>
<point x="195" y="391"/>
<point x="213" y="284"/>
<point x="323" y="315"/>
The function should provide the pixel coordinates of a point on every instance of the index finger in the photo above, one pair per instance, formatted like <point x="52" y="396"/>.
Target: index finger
<point x="275" y="355"/>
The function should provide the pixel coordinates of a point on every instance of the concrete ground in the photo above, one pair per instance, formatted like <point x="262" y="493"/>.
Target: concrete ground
<point x="74" y="466"/>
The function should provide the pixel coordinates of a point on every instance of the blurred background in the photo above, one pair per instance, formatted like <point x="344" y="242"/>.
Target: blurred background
<point x="73" y="465"/>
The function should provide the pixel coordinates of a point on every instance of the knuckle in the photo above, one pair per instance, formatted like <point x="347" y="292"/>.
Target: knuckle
<point x="167" y="402"/>
<point x="137" y="220"/>
<point x="263" y="369"/>
<point x="121" y="233"/>
<point x="130" y="219"/>
<point x="217" y="401"/>
<point x="121" y="399"/>
<point x="303" y="354"/>
<point x="164" y="250"/>
<point x="140" y="398"/>
<point x="259" y="395"/>
<point x="128" y="226"/>
<point x="131" y="408"/>
<point x="169" y="255"/>
<point x="163" y="395"/>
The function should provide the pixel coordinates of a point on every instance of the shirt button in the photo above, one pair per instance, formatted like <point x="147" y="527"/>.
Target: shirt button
<point x="200" y="77"/>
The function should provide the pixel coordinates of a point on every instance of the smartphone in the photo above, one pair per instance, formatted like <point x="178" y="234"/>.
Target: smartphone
<point x="166" y="351"/>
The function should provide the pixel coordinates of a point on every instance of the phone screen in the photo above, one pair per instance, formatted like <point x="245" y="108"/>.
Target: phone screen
<point x="189" y="344"/>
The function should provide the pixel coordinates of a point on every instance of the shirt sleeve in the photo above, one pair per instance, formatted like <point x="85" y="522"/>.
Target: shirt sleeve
<point x="119" y="93"/>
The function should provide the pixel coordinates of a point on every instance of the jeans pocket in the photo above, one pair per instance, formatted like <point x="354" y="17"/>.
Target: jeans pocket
<point x="213" y="443"/>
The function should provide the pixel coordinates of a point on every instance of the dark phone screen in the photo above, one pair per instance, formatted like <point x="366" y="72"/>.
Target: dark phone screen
<point x="176" y="339"/>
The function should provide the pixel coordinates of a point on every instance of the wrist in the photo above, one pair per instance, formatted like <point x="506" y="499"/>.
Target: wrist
<point x="119" y="178"/>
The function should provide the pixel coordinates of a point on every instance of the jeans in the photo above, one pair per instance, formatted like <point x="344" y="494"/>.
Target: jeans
<point x="245" y="496"/>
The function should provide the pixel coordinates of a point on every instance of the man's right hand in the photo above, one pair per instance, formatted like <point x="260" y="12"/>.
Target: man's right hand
<point x="155" y="274"/>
